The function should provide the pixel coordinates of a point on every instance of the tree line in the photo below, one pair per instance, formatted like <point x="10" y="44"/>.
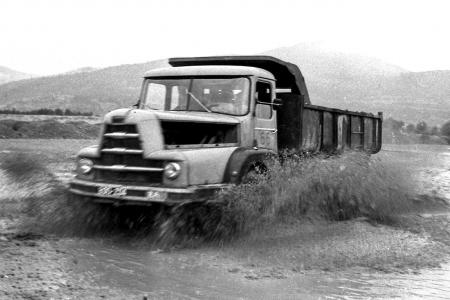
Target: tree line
<point x="422" y="131"/>
<point x="45" y="111"/>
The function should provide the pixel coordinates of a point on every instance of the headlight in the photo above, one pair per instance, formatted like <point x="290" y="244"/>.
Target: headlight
<point x="172" y="170"/>
<point x="85" y="165"/>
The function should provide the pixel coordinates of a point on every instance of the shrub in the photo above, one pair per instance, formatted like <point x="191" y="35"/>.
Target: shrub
<point x="445" y="130"/>
<point x="22" y="166"/>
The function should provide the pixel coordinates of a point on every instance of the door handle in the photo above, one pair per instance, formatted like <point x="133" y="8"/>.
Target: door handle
<point x="272" y="130"/>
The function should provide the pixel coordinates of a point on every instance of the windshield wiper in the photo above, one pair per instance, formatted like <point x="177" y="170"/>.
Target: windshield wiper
<point x="199" y="102"/>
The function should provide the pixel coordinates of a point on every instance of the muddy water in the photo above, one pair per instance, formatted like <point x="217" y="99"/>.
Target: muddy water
<point x="430" y="165"/>
<point x="185" y="276"/>
<point x="172" y="275"/>
<point x="137" y="270"/>
<point x="428" y="284"/>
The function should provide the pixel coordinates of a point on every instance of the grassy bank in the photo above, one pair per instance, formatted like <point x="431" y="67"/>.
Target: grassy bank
<point x="48" y="129"/>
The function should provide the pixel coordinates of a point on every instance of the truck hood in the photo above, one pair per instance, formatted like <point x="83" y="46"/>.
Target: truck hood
<point x="194" y="116"/>
<point x="160" y="129"/>
<point x="136" y="115"/>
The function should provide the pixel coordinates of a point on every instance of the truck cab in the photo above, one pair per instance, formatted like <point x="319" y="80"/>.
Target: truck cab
<point x="193" y="131"/>
<point x="212" y="106"/>
<point x="204" y="124"/>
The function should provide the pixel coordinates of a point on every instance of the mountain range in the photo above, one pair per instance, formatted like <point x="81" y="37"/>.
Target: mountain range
<point x="366" y="84"/>
<point x="334" y="79"/>
<point x="81" y="70"/>
<point x="8" y="75"/>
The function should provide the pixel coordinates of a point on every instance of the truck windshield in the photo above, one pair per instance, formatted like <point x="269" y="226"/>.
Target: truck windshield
<point x="220" y="95"/>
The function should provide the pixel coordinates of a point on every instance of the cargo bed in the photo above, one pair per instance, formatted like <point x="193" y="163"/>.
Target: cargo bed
<point x="328" y="129"/>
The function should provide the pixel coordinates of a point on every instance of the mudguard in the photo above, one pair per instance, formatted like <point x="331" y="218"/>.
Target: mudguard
<point x="243" y="158"/>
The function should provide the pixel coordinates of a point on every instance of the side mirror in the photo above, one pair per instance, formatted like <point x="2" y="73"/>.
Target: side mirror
<point x="277" y="103"/>
<point x="136" y="105"/>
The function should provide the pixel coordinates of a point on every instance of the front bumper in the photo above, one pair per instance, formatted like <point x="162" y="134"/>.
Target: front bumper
<point x="145" y="195"/>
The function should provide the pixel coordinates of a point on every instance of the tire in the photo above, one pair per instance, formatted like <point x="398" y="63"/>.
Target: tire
<point x="254" y="172"/>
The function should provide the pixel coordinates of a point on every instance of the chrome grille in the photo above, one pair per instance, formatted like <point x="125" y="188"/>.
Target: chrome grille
<point x="121" y="158"/>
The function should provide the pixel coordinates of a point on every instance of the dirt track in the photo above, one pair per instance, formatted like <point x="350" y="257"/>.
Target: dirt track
<point x="308" y="259"/>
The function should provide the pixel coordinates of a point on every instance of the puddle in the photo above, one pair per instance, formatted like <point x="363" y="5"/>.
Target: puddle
<point x="174" y="275"/>
<point x="430" y="284"/>
<point x="189" y="276"/>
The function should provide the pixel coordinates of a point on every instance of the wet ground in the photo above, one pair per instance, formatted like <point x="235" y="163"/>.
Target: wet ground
<point x="360" y="259"/>
<point x="44" y="268"/>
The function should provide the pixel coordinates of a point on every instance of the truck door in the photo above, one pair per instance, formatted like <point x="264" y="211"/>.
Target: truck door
<point x="265" y="118"/>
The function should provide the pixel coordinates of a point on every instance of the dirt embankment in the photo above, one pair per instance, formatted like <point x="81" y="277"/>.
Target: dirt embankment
<point x="47" y="129"/>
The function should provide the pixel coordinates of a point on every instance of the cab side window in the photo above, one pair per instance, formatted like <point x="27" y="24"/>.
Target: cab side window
<point x="156" y="95"/>
<point x="263" y="96"/>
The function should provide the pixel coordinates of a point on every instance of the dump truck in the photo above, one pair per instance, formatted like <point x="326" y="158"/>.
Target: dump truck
<point x="205" y="124"/>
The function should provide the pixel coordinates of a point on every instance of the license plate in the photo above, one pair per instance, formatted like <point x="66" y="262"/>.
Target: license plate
<point x="117" y="191"/>
<point x="156" y="196"/>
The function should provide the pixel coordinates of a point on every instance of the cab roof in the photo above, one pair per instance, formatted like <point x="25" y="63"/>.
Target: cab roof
<point x="287" y="75"/>
<point x="209" y="70"/>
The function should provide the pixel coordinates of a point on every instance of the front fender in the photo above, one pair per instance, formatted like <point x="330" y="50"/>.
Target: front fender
<point x="207" y="166"/>
<point x="241" y="159"/>
<point x="200" y="166"/>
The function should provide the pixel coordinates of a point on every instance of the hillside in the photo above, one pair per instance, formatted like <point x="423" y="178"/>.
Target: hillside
<point x="334" y="79"/>
<point x="95" y="91"/>
<point x="8" y="75"/>
<point x="318" y="62"/>
<point x="81" y="70"/>
<point x="362" y="83"/>
<point x="410" y="97"/>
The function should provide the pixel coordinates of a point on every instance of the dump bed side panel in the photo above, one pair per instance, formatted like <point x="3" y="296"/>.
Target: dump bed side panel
<point x="327" y="129"/>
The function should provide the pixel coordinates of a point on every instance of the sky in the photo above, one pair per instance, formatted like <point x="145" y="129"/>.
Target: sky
<point x="46" y="37"/>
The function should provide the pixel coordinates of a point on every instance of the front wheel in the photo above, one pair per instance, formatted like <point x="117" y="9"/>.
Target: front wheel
<point x="253" y="174"/>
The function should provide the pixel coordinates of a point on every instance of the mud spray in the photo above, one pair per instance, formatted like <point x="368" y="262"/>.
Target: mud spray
<point x="337" y="188"/>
